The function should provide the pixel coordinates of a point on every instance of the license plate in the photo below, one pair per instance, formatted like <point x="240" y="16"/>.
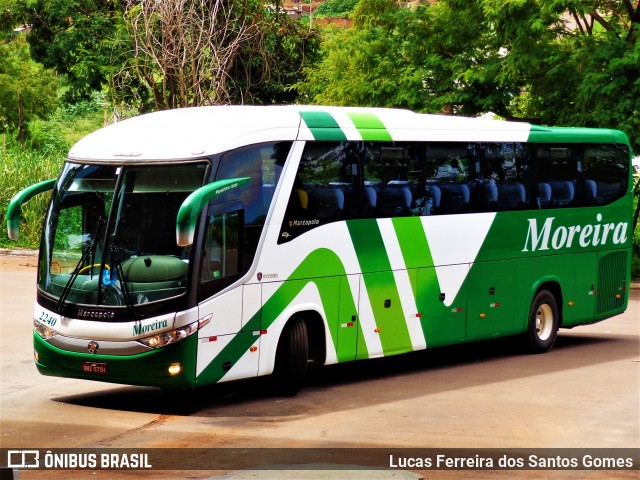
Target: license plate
<point x="95" y="368"/>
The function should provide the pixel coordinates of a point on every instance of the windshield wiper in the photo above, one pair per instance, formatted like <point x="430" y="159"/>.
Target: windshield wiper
<point x="78" y="267"/>
<point x="116" y="265"/>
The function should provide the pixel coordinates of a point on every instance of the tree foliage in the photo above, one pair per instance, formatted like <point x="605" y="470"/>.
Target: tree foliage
<point x="572" y="62"/>
<point x="266" y="70"/>
<point x="184" y="50"/>
<point x="206" y="52"/>
<point x="76" y="38"/>
<point x="335" y="8"/>
<point x="577" y="60"/>
<point x="27" y="90"/>
<point x="356" y="66"/>
<point x="157" y="54"/>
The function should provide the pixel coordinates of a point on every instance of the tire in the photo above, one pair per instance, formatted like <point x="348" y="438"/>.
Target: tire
<point x="544" y="321"/>
<point x="292" y="357"/>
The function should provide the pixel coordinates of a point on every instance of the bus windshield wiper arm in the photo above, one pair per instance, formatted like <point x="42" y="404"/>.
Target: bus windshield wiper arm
<point x="119" y="273"/>
<point x="76" y="270"/>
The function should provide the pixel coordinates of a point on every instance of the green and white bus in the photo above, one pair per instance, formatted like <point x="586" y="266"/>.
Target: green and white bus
<point x="188" y="247"/>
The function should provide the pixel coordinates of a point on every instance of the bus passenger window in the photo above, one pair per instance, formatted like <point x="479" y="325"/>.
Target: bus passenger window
<point x="394" y="180"/>
<point x="449" y="168"/>
<point x="556" y="172"/>
<point x="324" y="190"/>
<point x="505" y="177"/>
<point x="604" y="170"/>
<point x="386" y="175"/>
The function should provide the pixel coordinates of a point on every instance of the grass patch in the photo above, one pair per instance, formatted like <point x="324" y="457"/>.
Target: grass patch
<point x="41" y="158"/>
<point x="19" y="170"/>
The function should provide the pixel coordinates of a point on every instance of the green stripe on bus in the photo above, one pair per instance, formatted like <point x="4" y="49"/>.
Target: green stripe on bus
<point x="321" y="263"/>
<point x="413" y="244"/>
<point x="539" y="134"/>
<point x="370" y="127"/>
<point x="323" y="126"/>
<point x="381" y="287"/>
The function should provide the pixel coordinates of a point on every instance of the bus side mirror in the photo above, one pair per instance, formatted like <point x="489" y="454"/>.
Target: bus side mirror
<point x="20" y="198"/>
<point x="194" y="203"/>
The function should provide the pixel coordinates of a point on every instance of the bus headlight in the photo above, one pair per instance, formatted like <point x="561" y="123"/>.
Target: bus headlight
<point x="167" y="338"/>
<point x="43" y="330"/>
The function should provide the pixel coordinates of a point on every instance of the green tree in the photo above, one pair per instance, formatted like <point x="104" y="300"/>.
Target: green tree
<point x="10" y="19"/>
<point x="169" y="53"/>
<point x="27" y="90"/>
<point x="194" y="52"/>
<point x="432" y="58"/>
<point x="576" y="61"/>
<point x="367" y="65"/>
<point x="608" y="58"/>
<point x="266" y="70"/>
<point x="571" y="62"/>
<point x="335" y="8"/>
<point x="78" y="39"/>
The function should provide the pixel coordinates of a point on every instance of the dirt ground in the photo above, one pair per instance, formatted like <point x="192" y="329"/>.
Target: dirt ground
<point x="583" y="394"/>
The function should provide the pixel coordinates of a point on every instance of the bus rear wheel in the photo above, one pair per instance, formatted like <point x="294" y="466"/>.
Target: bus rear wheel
<point x="292" y="358"/>
<point x="544" y="321"/>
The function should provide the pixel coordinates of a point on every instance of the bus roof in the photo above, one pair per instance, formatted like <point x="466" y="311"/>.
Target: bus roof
<point x="190" y="133"/>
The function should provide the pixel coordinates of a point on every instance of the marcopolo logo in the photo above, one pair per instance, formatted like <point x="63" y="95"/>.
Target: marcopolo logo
<point x="557" y="237"/>
<point x="95" y="314"/>
<point x="226" y="188"/>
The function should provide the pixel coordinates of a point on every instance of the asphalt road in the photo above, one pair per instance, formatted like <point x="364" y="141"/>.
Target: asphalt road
<point x="585" y="393"/>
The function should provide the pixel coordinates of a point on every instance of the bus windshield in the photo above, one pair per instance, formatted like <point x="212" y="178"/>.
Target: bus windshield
<point x="109" y="238"/>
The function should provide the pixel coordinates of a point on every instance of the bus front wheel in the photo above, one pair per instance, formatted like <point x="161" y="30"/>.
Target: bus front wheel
<point x="292" y="357"/>
<point x="544" y="321"/>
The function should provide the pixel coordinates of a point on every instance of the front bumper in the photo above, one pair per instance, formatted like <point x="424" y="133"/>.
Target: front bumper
<point x="145" y="369"/>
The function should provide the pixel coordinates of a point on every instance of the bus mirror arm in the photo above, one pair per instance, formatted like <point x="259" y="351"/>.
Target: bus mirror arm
<point x="20" y="198"/>
<point x="192" y="206"/>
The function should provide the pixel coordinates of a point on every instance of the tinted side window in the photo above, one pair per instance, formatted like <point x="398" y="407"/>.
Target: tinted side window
<point x="263" y="164"/>
<point x="556" y="174"/>
<point x="221" y="254"/>
<point x="451" y="173"/>
<point x="345" y="180"/>
<point x="326" y="188"/>
<point x="505" y="177"/>
<point x="605" y="173"/>
<point x="580" y="175"/>
<point x="391" y="186"/>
